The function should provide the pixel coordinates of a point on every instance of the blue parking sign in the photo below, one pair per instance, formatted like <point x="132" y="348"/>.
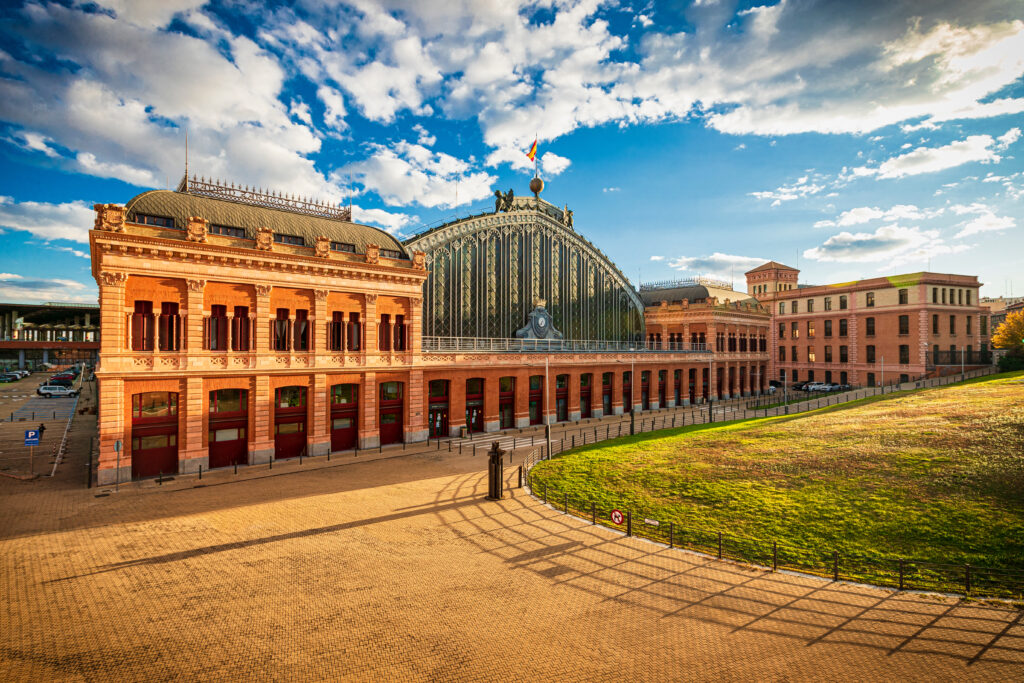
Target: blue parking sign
<point x="31" y="437"/>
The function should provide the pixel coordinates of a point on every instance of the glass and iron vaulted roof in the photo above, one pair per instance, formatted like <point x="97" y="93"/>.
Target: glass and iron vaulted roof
<point x="488" y="272"/>
<point x="178" y="205"/>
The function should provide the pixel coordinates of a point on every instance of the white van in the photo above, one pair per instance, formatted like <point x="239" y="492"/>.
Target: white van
<point x="50" y="390"/>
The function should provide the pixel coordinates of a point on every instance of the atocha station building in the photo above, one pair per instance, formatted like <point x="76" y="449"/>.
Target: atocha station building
<point x="239" y="326"/>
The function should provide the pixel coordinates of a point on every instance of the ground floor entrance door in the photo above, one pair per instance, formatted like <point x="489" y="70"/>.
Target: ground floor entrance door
<point x="438" y="420"/>
<point x="289" y="422"/>
<point x="228" y="443"/>
<point x="391" y="410"/>
<point x="154" y="451"/>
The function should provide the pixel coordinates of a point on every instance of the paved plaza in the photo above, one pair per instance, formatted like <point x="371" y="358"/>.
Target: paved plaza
<point x="398" y="569"/>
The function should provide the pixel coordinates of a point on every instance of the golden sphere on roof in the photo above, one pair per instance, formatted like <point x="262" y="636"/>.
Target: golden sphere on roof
<point x="536" y="185"/>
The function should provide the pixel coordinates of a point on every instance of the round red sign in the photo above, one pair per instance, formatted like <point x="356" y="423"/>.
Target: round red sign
<point x="616" y="517"/>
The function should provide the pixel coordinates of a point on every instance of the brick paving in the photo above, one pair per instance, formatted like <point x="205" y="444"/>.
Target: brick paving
<point x="397" y="568"/>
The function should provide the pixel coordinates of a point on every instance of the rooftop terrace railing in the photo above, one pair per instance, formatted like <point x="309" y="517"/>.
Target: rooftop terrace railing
<point x="501" y="345"/>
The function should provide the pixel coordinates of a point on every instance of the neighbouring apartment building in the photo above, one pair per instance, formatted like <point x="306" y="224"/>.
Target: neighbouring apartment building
<point x="237" y="326"/>
<point x="885" y="329"/>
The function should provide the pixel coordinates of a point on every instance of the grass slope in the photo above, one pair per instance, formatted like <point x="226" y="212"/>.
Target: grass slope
<point x="936" y="475"/>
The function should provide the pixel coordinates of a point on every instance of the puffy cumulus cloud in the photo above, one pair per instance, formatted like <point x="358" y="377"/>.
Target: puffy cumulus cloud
<point x="423" y="136"/>
<point x="386" y="220"/>
<point x="21" y="289"/>
<point x="724" y="266"/>
<point x="412" y="174"/>
<point x="657" y="258"/>
<point x="974" y="148"/>
<point x="890" y="245"/>
<point x="76" y="252"/>
<point x="334" y="107"/>
<point x="985" y="219"/>
<point x="116" y="110"/>
<point x="803" y="187"/>
<point x="551" y="164"/>
<point x="68" y="221"/>
<point x="866" y="214"/>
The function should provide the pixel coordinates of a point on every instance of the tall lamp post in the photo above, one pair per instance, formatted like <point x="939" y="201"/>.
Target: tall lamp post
<point x="547" y="406"/>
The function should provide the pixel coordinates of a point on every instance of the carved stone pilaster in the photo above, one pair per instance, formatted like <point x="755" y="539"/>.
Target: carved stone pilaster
<point x="415" y="301"/>
<point x="264" y="239"/>
<point x="419" y="260"/>
<point x="323" y="246"/>
<point x="320" y="294"/>
<point x="195" y="285"/>
<point x="113" y="279"/>
<point x="109" y="217"/>
<point x="263" y="290"/>
<point x="372" y="253"/>
<point x="371" y="298"/>
<point x="197" y="229"/>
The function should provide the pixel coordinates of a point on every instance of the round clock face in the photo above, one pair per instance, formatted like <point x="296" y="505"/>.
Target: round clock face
<point x="541" y="322"/>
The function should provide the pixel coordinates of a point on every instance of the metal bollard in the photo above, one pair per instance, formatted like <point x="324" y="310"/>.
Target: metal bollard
<point x="271" y="462"/>
<point x="835" y="566"/>
<point x="967" y="579"/>
<point x="593" y="513"/>
<point x="629" y="523"/>
<point x="775" y="556"/>
<point x="236" y="467"/>
<point x="565" y="505"/>
<point x="200" y="472"/>
<point x="520" y="477"/>
<point x="545" y="493"/>
<point x="719" y="545"/>
<point x="671" y="535"/>
<point x="160" y="478"/>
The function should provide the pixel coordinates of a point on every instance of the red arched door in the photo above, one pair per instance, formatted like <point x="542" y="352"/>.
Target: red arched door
<point x="154" y="434"/>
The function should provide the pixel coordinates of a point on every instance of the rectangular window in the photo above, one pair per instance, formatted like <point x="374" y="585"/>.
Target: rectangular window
<point x="952" y="324"/>
<point x="154" y="404"/>
<point x="869" y="327"/>
<point x="828" y="354"/>
<point x="810" y="354"/>
<point x="844" y="326"/>
<point x="935" y="323"/>
<point x="282" y="325"/>
<point x="782" y="353"/>
<point x="810" y="329"/>
<point x="391" y="253"/>
<point x="844" y="355"/>
<point x="983" y="325"/>
<point x="301" y="327"/>
<point x="142" y="326"/>
<point x="227" y="231"/>
<point x="869" y="299"/>
<point x="968" y="297"/>
<point x="828" y="303"/>
<point x="795" y="331"/>
<point x="158" y="221"/>
<point x="968" y="324"/>
<point x="792" y="306"/>
<point x="810" y="305"/>
<point x="960" y="297"/>
<point x="935" y="295"/>
<point x="904" y="324"/>
<point x="343" y="246"/>
<point x="904" y="354"/>
<point x="782" y="308"/>
<point x="869" y="353"/>
<point x="782" y="330"/>
<point x="943" y="295"/>
<point x="828" y="328"/>
<point x="792" y="351"/>
<point x="842" y="302"/>
<point x="344" y="394"/>
<point x="904" y="296"/>
<point x="288" y="239"/>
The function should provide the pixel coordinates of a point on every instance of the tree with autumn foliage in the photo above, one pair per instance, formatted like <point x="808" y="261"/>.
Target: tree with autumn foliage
<point x="1010" y="336"/>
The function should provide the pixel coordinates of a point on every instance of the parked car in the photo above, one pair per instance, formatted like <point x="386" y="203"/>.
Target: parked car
<point x="9" y="378"/>
<point x="51" y="390"/>
<point x="57" y="383"/>
<point x="775" y="383"/>
<point x="815" y="386"/>
<point x="771" y="389"/>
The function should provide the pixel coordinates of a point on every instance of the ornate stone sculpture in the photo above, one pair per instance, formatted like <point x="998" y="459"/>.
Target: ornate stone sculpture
<point x="197" y="229"/>
<point x="320" y="294"/>
<point x="371" y="299"/>
<point x="539" y="325"/>
<point x="264" y="239"/>
<point x="195" y="285"/>
<point x="263" y="290"/>
<point x="419" y="260"/>
<point x="113" y="279"/>
<point x="372" y="253"/>
<point x="567" y="217"/>
<point x="503" y="202"/>
<point x="323" y="246"/>
<point x="109" y="217"/>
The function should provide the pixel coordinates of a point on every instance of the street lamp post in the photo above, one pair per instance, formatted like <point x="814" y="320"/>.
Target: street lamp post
<point x="883" y="374"/>
<point x="547" y="406"/>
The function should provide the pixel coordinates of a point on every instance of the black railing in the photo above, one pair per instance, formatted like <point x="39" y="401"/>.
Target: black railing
<point x="964" y="357"/>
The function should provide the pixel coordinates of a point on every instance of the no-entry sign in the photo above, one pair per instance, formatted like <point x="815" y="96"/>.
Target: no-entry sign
<point x="617" y="516"/>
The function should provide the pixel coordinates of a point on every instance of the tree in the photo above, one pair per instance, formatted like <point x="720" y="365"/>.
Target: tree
<point x="1010" y="335"/>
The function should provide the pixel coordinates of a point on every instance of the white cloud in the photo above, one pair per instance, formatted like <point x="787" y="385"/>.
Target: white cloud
<point x="67" y="221"/>
<point x="425" y="138"/>
<point x="334" y="107"/>
<point x="611" y="189"/>
<point x="390" y="222"/>
<point x="551" y="164"/>
<point x="657" y="258"/>
<point x="803" y="187"/>
<point x="723" y="266"/>
<point x="77" y="252"/>
<point x="865" y="214"/>
<point x="890" y="245"/>
<point x="985" y="221"/>
<point x="975" y="148"/>
<point x="22" y="289"/>
<point x="407" y="173"/>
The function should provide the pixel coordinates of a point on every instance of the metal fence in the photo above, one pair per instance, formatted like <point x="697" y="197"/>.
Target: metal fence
<point x="490" y="344"/>
<point x="901" y="573"/>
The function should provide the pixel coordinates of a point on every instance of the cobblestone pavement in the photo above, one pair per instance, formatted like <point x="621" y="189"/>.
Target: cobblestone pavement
<point x="398" y="569"/>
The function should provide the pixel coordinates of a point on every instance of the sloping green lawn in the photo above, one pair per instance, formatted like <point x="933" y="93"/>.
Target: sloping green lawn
<point x="935" y="476"/>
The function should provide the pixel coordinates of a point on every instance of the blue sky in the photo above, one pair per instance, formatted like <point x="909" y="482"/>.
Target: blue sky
<point x="849" y="139"/>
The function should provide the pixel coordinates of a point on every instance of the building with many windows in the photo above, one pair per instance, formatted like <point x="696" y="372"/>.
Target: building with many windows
<point x="239" y="326"/>
<point x="866" y="332"/>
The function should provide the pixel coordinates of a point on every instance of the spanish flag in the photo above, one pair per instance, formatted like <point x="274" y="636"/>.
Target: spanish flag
<point x="532" y="154"/>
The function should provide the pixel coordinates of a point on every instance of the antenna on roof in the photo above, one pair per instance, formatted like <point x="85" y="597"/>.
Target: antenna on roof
<point x="186" y="160"/>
